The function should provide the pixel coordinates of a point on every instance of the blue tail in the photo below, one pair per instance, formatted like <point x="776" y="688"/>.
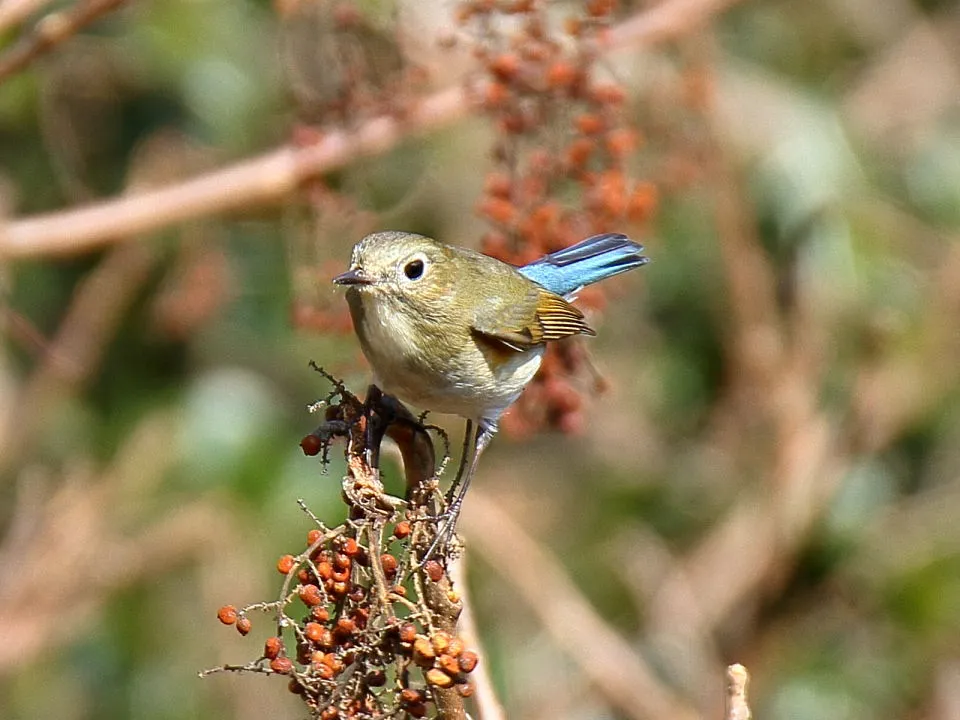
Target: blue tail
<point x="589" y="261"/>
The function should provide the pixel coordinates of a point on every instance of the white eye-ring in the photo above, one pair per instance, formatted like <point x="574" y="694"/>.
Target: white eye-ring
<point x="415" y="267"/>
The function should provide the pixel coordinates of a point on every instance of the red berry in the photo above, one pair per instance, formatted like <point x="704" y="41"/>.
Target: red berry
<point x="272" y="647"/>
<point x="434" y="570"/>
<point x="227" y="614"/>
<point x="244" y="625"/>
<point x="311" y="445"/>
<point x="401" y="530"/>
<point x="310" y="595"/>
<point x="285" y="564"/>
<point x="281" y="665"/>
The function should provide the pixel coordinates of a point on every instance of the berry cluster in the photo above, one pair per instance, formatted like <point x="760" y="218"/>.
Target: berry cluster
<point x="363" y="645"/>
<point x="365" y="625"/>
<point x="561" y="158"/>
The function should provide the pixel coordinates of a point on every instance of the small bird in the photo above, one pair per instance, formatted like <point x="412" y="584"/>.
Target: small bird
<point x="455" y="331"/>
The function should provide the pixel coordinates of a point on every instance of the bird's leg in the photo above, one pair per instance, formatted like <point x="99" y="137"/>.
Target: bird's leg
<point x="465" y="452"/>
<point x="479" y="443"/>
<point x="380" y="411"/>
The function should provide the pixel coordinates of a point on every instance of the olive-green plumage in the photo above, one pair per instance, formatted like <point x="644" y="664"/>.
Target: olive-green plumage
<point x="450" y="329"/>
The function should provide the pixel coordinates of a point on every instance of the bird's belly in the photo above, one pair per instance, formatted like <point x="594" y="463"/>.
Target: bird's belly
<point x="446" y="375"/>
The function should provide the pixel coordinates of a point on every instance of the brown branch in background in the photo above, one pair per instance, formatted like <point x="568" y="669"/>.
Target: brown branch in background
<point x="14" y="12"/>
<point x="737" y="707"/>
<point x="270" y="177"/>
<point x="54" y="29"/>
<point x="622" y="675"/>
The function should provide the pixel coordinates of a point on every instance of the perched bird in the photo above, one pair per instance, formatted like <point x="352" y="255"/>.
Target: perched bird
<point x="455" y="331"/>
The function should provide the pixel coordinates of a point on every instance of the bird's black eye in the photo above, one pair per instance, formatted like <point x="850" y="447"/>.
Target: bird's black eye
<point x="413" y="269"/>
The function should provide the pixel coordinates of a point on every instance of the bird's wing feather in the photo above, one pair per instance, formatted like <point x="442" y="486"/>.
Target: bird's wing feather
<point x="521" y="326"/>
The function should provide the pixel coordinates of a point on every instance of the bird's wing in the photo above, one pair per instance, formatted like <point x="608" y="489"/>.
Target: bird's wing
<point x="541" y="318"/>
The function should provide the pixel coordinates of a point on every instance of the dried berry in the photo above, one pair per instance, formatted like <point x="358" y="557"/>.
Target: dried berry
<point x="310" y="595"/>
<point x="272" y="647"/>
<point x="285" y="564"/>
<point x="436" y="676"/>
<point x="281" y="665"/>
<point x="227" y="614"/>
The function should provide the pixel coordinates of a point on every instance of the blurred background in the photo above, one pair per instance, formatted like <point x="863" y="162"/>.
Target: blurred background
<point x="767" y="473"/>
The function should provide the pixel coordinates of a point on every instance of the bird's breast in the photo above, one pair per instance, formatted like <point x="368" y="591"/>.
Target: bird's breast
<point x="435" y="364"/>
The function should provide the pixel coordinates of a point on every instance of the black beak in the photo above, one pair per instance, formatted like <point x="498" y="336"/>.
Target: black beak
<point x="354" y="276"/>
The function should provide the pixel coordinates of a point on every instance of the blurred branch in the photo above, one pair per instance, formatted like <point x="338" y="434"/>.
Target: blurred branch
<point x="72" y="356"/>
<point x="603" y="655"/>
<point x="55" y="28"/>
<point x="14" y="12"/>
<point x="270" y="177"/>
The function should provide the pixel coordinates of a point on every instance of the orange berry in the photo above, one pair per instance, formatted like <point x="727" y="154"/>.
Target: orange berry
<point x="465" y="690"/>
<point x="504" y="66"/>
<point x="330" y="713"/>
<point x="285" y="564"/>
<point x="495" y="94"/>
<point x="389" y="564"/>
<point x="227" y="614"/>
<point x="448" y="664"/>
<point x="411" y="695"/>
<point x="622" y="141"/>
<point x="401" y="530"/>
<point x="608" y="94"/>
<point x="408" y="632"/>
<point x="456" y="647"/>
<point x="643" y="201"/>
<point x="272" y="647"/>
<point x="423" y="652"/>
<point x="434" y="570"/>
<point x="468" y="661"/>
<point x="324" y="570"/>
<point x="281" y="665"/>
<point x="497" y="185"/>
<point x="440" y="641"/>
<point x="313" y="631"/>
<point x="324" y="672"/>
<point x="244" y="625"/>
<point x="497" y="209"/>
<point x="320" y="614"/>
<point x="313" y="536"/>
<point x="579" y="152"/>
<point x="600" y="8"/>
<point x="346" y="626"/>
<point x="351" y="548"/>
<point x="310" y="595"/>
<point x="436" y="676"/>
<point x="588" y="123"/>
<point x="340" y="588"/>
<point x="561" y="74"/>
<point x="399" y="590"/>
